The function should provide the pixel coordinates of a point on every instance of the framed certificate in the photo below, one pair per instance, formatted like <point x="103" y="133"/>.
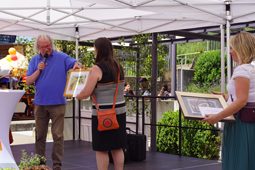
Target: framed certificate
<point x="196" y="105"/>
<point x="76" y="81"/>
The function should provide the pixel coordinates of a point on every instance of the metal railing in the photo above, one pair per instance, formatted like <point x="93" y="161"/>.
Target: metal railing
<point x="143" y="119"/>
<point x="143" y="98"/>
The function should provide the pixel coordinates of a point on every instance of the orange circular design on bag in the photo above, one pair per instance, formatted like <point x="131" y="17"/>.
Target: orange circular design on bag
<point x="107" y="123"/>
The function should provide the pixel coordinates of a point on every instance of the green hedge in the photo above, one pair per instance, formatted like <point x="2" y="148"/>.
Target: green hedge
<point x="195" y="143"/>
<point x="208" y="67"/>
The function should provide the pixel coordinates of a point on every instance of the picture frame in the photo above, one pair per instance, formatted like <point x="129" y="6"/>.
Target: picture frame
<point x="76" y="81"/>
<point x="194" y="105"/>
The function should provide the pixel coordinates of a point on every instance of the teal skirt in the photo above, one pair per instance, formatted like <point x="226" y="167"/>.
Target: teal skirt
<point x="238" y="151"/>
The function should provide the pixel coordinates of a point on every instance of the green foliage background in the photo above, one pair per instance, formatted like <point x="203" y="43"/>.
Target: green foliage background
<point x="191" y="47"/>
<point x="145" y="58"/>
<point x="86" y="57"/>
<point x="208" y="67"/>
<point x="195" y="47"/>
<point x="195" y="142"/>
<point x="185" y="48"/>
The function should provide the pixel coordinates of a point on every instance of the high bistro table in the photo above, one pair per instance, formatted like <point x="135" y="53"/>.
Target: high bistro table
<point x="8" y="102"/>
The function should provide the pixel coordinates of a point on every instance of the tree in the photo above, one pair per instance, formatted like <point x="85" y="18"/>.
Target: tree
<point x="86" y="57"/>
<point x="127" y="56"/>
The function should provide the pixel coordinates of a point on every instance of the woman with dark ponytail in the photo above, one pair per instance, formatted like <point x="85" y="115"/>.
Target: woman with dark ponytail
<point x="102" y="82"/>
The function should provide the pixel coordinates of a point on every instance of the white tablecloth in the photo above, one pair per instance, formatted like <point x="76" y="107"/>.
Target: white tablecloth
<point x="8" y="102"/>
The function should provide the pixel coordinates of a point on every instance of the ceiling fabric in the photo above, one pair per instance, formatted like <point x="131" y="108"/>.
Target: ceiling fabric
<point x="113" y="18"/>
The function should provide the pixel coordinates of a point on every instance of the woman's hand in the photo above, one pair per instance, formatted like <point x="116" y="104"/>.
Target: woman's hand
<point x="78" y="96"/>
<point x="212" y="118"/>
<point x="218" y="93"/>
<point x="225" y="96"/>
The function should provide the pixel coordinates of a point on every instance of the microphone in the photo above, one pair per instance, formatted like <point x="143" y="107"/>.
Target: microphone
<point x="44" y="60"/>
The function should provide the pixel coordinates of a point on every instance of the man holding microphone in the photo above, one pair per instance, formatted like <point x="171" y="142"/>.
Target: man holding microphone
<point x="48" y="70"/>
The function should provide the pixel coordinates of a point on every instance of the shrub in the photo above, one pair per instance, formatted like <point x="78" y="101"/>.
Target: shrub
<point x="195" y="142"/>
<point x="208" y="67"/>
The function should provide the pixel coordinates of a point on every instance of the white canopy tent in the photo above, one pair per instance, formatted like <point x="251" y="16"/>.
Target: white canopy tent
<point x="112" y="18"/>
<point x="78" y="20"/>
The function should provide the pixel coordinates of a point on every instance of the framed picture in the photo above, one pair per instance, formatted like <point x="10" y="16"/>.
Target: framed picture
<point x="196" y="105"/>
<point x="76" y="81"/>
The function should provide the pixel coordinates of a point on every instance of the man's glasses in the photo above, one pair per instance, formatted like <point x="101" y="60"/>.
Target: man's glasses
<point x="44" y="47"/>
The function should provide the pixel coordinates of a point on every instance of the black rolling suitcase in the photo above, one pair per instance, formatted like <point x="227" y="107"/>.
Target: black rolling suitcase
<point x="137" y="146"/>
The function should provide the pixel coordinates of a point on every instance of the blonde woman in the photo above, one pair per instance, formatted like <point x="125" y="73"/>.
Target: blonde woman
<point x="238" y="151"/>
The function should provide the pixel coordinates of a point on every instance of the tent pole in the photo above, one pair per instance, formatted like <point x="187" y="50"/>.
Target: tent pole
<point x="173" y="70"/>
<point x="77" y="42"/>
<point x="137" y="71"/>
<point x="77" y="103"/>
<point x="222" y="48"/>
<point x="48" y="12"/>
<point x="228" y="49"/>
<point x="229" y="17"/>
<point x="154" y="92"/>
<point x="228" y="55"/>
<point x="11" y="80"/>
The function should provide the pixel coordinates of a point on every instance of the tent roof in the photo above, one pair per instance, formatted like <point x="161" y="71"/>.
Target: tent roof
<point x="113" y="18"/>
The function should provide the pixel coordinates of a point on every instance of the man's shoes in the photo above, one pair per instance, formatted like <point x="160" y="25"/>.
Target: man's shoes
<point x="57" y="166"/>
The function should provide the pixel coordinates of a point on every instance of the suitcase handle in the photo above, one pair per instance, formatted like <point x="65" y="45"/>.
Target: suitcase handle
<point x="127" y="128"/>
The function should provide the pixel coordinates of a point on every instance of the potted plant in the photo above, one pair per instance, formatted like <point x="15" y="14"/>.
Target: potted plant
<point x="32" y="162"/>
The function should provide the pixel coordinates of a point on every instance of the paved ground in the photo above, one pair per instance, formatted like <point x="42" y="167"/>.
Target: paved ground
<point x="23" y="137"/>
<point x="22" y="132"/>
